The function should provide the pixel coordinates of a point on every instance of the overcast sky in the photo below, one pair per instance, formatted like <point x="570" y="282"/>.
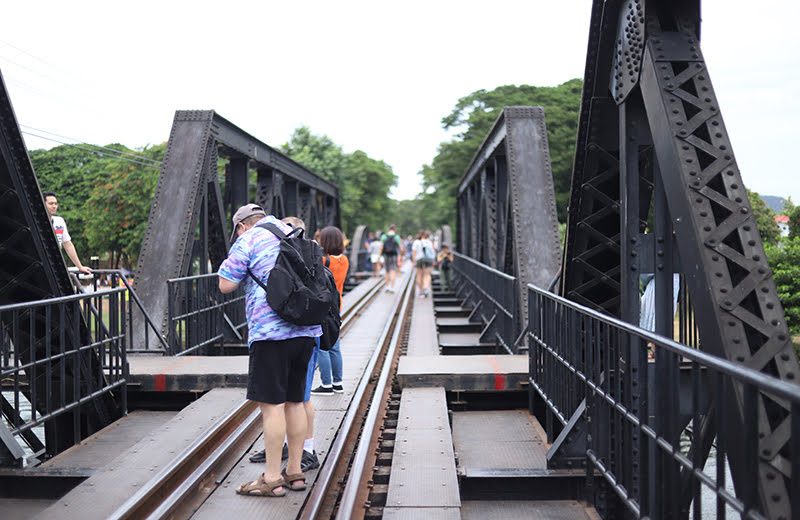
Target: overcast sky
<point x="373" y="76"/>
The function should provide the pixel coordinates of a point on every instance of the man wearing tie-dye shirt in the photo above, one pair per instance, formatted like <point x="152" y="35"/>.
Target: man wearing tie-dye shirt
<point x="279" y="352"/>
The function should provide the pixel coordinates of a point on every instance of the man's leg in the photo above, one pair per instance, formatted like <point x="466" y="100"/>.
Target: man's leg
<point x="296" y="429"/>
<point x="311" y="412"/>
<point x="274" y="423"/>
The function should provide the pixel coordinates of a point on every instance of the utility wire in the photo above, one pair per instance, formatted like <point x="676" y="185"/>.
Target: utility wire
<point x="98" y="152"/>
<point x="120" y="152"/>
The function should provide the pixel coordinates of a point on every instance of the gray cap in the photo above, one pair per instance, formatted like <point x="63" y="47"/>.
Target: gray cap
<point x="245" y="212"/>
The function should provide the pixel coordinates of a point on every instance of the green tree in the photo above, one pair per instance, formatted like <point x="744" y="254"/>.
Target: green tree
<point x="409" y="216"/>
<point x="765" y="219"/>
<point x="477" y="113"/>
<point x="104" y="197"/>
<point x="784" y="260"/>
<point x="119" y="207"/>
<point x="70" y="173"/>
<point x="364" y="183"/>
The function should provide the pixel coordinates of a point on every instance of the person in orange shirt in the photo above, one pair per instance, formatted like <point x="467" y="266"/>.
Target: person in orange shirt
<point x="329" y="362"/>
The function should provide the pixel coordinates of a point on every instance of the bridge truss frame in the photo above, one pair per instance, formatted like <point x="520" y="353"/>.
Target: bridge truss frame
<point x="652" y="146"/>
<point x="507" y="215"/>
<point x="187" y="229"/>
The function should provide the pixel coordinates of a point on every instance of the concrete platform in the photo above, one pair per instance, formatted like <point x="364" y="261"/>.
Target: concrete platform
<point x="467" y="373"/>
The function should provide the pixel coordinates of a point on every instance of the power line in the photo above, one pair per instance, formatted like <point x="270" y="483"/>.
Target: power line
<point x="156" y="165"/>
<point x="97" y="145"/>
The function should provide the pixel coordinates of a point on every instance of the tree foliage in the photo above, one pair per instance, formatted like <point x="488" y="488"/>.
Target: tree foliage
<point x="765" y="219"/>
<point x="70" y="173"/>
<point x="784" y="260"/>
<point x="119" y="207"/>
<point x="364" y="183"/>
<point x="104" y="199"/>
<point x="476" y="113"/>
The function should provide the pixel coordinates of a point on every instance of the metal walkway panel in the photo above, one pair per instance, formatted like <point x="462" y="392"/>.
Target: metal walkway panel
<point x="499" y="442"/>
<point x="106" y="490"/>
<point x="422" y="339"/>
<point x="100" y="449"/>
<point x="525" y="510"/>
<point x="459" y="338"/>
<point x="478" y="373"/>
<point x="416" y="513"/>
<point x="423" y="466"/>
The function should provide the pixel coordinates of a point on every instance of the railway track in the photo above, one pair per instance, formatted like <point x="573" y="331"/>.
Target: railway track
<point x="344" y="487"/>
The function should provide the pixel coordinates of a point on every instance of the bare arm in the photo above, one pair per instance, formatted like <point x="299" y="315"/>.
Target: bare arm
<point x="226" y="286"/>
<point x="73" y="255"/>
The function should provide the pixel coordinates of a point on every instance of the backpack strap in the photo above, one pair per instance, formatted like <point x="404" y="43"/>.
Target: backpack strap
<point x="275" y="230"/>
<point x="326" y="261"/>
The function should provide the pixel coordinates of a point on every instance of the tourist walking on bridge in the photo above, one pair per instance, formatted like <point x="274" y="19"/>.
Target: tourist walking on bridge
<point x="392" y="249"/>
<point x="424" y="255"/>
<point x="279" y="352"/>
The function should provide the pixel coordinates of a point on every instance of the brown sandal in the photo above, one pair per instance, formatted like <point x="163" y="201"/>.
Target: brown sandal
<point x="295" y="477"/>
<point x="260" y="488"/>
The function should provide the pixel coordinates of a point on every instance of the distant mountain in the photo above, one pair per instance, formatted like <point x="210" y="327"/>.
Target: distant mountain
<point x="774" y="203"/>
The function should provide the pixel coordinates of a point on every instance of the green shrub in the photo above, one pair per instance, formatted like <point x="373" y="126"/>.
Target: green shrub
<point x="784" y="260"/>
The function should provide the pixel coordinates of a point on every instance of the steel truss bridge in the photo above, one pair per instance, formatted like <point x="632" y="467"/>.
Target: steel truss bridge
<point x="656" y="192"/>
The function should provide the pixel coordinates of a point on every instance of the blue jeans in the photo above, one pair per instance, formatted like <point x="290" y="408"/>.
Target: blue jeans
<point x="312" y="364"/>
<point x="330" y="363"/>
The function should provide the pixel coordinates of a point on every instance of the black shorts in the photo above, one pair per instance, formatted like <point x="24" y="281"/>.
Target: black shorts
<point x="391" y="262"/>
<point x="277" y="371"/>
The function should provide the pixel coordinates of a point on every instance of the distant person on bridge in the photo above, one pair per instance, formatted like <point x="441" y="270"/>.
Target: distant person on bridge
<point x="424" y="255"/>
<point x="330" y="362"/>
<point x="279" y="352"/>
<point x="392" y="248"/>
<point x="445" y="261"/>
<point x="60" y="229"/>
<point x="374" y="248"/>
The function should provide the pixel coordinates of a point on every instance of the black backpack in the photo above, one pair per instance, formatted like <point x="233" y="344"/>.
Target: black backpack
<point x="332" y="323"/>
<point x="390" y="245"/>
<point x="301" y="289"/>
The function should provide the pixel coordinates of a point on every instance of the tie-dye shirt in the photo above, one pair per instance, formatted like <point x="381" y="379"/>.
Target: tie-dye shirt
<point x="258" y="249"/>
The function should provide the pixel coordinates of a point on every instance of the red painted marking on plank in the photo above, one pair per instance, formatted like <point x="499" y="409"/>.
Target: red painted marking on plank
<point x="499" y="377"/>
<point x="183" y="361"/>
<point x="160" y="382"/>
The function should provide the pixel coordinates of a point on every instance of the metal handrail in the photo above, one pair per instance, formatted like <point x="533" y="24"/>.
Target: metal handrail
<point x="148" y="320"/>
<point x="58" y="363"/>
<point x="579" y="355"/>
<point x="493" y="297"/>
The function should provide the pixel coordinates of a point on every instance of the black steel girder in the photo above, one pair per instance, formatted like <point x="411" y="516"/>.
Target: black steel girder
<point x="32" y="268"/>
<point x="650" y="125"/>
<point x="506" y="202"/>
<point x="187" y="230"/>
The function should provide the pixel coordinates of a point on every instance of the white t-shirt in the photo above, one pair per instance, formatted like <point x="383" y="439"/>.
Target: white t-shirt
<point x="60" y="228"/>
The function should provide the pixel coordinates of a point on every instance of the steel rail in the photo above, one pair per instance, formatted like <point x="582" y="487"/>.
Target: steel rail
<point x="173" y="475"/>
<point x="355" y="483"/>
<point x="324" y="479"/>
